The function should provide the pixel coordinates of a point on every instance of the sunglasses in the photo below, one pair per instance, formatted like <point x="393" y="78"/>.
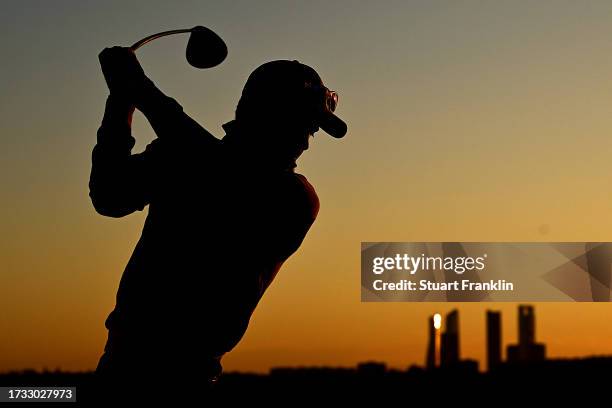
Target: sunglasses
<point x="331" y="100"/>
<point x="323" y="95"/>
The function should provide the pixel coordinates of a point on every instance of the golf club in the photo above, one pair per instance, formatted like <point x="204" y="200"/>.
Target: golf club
<point x="205" y="49"/>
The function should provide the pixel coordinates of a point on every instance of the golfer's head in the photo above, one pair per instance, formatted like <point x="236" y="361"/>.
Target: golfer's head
<point x="286" y="103"/>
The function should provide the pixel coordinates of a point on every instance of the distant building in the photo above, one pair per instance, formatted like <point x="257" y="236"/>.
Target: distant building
<point x="463" y="367"/>
<point x="526" y="324"/>
<point x="527" y="350"/>
<point x="450" y="340"/>
<point x="494" y="340"/>
<point x="372" y="368"/>
<point x="433" y="346"/>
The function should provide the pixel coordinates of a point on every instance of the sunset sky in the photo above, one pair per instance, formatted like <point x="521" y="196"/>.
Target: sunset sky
<point x="468" y="121"/>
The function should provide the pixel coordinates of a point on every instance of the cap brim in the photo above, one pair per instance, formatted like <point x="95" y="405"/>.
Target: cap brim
<point x="333" y="125"/>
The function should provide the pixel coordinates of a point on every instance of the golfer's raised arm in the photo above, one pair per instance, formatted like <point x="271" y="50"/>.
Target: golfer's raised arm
<point x="120" y="182"/>
<point x="166" y="115"/>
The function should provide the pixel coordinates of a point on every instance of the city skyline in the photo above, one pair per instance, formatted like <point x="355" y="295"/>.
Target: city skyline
<point x="443" y="347"/>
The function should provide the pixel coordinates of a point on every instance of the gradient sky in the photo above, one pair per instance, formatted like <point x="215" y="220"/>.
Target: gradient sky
<point x="468" y="120"/>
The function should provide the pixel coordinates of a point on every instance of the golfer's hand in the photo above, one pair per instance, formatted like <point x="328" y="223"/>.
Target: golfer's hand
<point x="122" y="72"/>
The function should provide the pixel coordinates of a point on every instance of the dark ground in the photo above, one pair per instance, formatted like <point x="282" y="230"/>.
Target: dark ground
<point x="548" y="381"/>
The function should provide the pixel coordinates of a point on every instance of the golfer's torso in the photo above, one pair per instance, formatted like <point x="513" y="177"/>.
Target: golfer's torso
<point x="206" y="254"/>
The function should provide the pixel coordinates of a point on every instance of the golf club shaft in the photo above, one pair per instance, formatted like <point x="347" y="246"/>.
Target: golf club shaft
<point x="152" y="37"/>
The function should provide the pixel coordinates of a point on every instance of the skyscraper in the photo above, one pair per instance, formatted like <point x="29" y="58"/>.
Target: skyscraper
<point x="527" y="350"/>
<point x="494" y="336"/>
<point x="433" y="347"/>
<point x="450" y="340"/>
<point x="526" y="322"/>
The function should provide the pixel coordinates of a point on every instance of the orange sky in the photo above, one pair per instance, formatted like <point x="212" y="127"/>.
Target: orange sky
<point x="467" y="122"/>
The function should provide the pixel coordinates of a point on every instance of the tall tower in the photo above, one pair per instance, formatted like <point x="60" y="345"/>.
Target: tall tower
<point x="433" y="346"/>
<point x="527" y="350"/>
<point x="494" y="335"/>
<point x="526" y="324"/>
<point x="450" y="339"/>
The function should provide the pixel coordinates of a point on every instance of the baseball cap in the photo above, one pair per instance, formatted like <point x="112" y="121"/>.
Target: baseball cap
<point x="279" y="86"/>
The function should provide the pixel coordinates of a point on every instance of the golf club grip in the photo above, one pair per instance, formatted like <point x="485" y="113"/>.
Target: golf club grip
<point x="152" y="37"/>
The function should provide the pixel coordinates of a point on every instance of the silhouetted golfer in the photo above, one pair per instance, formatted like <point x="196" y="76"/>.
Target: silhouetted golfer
<point x="223" y="214"/>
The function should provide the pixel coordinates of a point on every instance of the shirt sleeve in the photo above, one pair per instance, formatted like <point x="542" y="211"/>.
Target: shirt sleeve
<point x="120" y="182"/>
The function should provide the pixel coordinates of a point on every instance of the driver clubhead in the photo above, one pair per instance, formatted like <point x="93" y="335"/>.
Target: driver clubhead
<point x="205" y="49"/>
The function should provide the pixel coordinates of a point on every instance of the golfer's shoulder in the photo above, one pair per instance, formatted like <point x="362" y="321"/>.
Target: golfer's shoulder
<point x="186" y="144"/>
<point x="198" y="138"/>
<point x="302" y="194"/>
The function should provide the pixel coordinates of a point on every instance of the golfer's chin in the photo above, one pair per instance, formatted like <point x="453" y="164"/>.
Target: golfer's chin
<point x="281" y="163"/>
<point x="291" y="164"/>
<point x="288" y="159"/>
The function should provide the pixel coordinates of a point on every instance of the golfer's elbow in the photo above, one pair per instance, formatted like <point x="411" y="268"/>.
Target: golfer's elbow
<point x="107" y="205"/>
<point x="106" y="208"/>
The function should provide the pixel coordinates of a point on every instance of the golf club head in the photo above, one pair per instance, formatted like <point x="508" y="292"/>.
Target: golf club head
<point x="205" y="49"/>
